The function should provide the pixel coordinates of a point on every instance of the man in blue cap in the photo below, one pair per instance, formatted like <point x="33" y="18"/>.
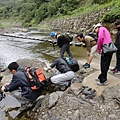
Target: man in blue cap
<point x="63" y="42"/>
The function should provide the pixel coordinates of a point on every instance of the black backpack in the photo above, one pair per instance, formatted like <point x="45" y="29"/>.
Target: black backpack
<point x="93" y="35"/>
<point x="35" y="77"/>
<point x="68" y="37"/>
<point x="73" y="63"/>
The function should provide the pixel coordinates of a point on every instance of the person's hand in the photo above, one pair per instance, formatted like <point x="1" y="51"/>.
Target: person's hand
<point x="99" y="51"/>
<point x="6" y="84"/>
<point x="45" y="69"/>
<point x="2" y="89"/>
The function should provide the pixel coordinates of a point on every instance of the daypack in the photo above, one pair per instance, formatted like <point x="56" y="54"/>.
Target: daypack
<point x="93" y="36"/>
<point x="35" y="77"/>
<point x="73" y="63"/>
<point x="68" y="37"/>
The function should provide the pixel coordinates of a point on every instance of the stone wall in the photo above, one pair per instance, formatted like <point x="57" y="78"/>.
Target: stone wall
<point x="77" y="24"/>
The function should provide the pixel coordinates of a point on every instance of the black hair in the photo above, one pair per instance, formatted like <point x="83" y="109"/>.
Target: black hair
<point x="80" y="35"/>
<point x="13" y="66"/>
<point x="117" y="22"/>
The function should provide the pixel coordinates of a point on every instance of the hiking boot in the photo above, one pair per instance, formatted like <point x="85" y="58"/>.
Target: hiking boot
<point x="97" y="79"/>
<point x="102" y="84"/>
<point x="86" y="66"/>
<point x="116" y="72"/>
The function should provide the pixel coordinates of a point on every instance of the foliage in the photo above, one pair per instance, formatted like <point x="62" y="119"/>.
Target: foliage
<point x="112" y="15"/>
<point x="33" y="11"/>
<point x="100" y="1"/>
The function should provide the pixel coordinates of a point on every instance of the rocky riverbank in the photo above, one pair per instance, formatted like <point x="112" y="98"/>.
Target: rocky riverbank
<point x="76" y="103"/>
<point x="83" y="23"/>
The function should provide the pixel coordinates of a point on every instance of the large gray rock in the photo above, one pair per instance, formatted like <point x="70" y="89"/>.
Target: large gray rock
<point x="7" y="76"/>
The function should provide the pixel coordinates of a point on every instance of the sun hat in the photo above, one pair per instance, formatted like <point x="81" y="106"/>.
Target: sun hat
<point x="97" y="25"/>
<point x="53" y="34"/>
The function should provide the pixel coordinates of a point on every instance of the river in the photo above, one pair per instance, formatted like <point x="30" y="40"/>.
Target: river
<point x="29" y="46"/>
<point x="18" y="48"/>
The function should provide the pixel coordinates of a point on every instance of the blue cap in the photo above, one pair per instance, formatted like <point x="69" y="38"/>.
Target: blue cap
<point x="52" y="34"/>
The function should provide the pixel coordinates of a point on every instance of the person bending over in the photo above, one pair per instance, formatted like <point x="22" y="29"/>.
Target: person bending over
<point x="63" y="43"/>
<point x="91" y="47"/>
<point x="19" y="86"/>
<point x="64" y="73"/>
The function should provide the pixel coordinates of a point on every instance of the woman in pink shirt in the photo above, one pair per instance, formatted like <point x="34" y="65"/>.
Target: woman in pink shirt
<point x="104" y="37"/>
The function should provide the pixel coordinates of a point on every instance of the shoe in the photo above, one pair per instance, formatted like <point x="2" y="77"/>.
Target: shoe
<point x="116" y="72"/>
<point x="86" y="66"/>
<point x="113" y="69"/>
<point x="102" y="84"/>
<point x="97" y="79"/>
<point x="62" y="87"/>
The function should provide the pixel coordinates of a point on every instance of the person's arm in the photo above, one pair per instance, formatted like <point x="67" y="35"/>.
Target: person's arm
<point x="100" y="39"/>
<point x="87" y="42"/>
<point x="14" y="84"/>
<point x="51" y="66"/>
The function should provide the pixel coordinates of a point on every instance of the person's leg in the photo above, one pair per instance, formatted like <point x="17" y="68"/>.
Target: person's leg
<point x="118" y="61"/>
<point x="63" y="79"/>
<point x="105" y="63"/>
<point x="62" y="51"/>
<point x="68" y="51"/>
<point x="90" y="57"/>
<point x="19" y="97"/>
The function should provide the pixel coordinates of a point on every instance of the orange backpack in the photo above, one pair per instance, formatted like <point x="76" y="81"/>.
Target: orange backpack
<point x="35" y="77"/>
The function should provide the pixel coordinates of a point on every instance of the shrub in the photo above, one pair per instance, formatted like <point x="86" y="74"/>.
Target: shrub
<point x="111" y="16"/>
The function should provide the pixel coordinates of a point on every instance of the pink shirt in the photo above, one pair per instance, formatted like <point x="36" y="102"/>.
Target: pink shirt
<point x="104" y="37"/>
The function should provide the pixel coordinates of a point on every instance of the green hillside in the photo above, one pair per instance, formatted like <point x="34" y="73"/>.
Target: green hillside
<point x="32" y="12"/>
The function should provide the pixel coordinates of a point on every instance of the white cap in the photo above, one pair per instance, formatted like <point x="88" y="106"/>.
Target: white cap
<point x="97" y="25"/>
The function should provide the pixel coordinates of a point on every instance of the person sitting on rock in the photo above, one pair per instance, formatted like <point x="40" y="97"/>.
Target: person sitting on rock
<point x="63" y="43"/>
<point x="19" y="86"/>
<point x="91" y="45"/>
<point x="63" y="76"/>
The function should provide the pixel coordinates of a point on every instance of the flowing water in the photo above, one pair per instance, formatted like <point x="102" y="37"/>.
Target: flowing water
<point x="12" y="48"/>
<point x="31" y="46"/>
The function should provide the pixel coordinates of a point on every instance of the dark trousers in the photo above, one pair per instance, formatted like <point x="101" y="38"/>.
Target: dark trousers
<point x="105" y="63"/>
<point x="65" y="48"/>
<point x="118" y="61"/>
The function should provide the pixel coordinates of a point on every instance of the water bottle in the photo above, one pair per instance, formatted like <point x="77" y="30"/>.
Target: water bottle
<point x="68" y="61"/>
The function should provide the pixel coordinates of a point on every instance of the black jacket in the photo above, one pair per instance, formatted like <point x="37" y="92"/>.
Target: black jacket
<point x="117" y="42"/>
<point x="19" y="80"/>
<point x="61" y="65"/>
<point x="62" y="40"/>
